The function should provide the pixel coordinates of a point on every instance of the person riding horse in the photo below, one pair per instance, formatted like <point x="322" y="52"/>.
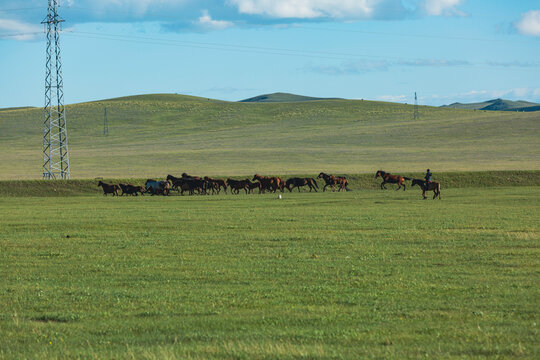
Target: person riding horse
<point x="427" y="178"/>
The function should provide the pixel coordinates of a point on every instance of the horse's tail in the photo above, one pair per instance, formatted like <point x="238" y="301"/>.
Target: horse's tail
<point x="407" y="178"/>
<point x="439" y="189"/>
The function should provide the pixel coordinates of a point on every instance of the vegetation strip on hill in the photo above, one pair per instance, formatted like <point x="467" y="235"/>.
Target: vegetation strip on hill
<point x="15" y="188"/>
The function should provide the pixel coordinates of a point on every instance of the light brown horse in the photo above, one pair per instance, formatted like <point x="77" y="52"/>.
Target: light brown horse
<point x="435" y="186"/>
<point x="391" y="179"/>
<point x="279" y="184"/>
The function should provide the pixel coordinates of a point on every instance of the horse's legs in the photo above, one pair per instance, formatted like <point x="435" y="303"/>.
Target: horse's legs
<point x="404" y="186"/>
<point x="424" y="194"/>
<point x="382" y="185"/>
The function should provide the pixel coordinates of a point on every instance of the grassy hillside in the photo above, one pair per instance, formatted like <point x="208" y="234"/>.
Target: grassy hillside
<point x="281" y="97"/>
<point x="497" y="105"/>
<point x="158" y="134"/>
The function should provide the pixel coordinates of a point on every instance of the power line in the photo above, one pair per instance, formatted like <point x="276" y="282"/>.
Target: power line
<point x="407" y="35"/>
<point x="285" y="52"/>
<point x="21" y="9"/>
<point x="21" y="34"/>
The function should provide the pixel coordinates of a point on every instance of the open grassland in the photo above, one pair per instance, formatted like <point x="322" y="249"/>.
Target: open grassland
<point x="157" y="134"/>
<point x="362" y="274"/>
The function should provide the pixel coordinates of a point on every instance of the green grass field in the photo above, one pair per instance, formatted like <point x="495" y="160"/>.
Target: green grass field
<point x="159" y="134"/>
<point x="362" y="274"/>
<point x="353" y="275"/>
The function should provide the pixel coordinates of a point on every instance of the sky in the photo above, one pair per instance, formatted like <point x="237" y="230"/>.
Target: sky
<point x="444" y="50"/>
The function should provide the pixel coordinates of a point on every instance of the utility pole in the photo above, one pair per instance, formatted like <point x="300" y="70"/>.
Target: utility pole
<point x="415" y="106"/>
<point x="55" y="140"/>
<point x="105" y="124"/>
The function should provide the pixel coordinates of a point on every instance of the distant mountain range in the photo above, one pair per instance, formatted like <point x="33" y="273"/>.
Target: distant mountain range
<point x="497" y="105"/>
<point x="282" y="97"/>
<point x="493" y="105"/>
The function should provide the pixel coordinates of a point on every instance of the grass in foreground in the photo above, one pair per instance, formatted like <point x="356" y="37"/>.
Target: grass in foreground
<point x="363" y="274"/>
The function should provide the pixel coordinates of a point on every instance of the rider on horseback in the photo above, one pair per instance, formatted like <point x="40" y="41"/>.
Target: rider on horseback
<point x="427" y="178"/>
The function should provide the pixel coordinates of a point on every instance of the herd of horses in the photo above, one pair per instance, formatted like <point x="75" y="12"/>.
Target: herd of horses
<point x="206" y="185"/>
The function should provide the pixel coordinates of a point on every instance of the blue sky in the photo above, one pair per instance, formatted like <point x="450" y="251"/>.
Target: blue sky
<point x="445" y="50"/>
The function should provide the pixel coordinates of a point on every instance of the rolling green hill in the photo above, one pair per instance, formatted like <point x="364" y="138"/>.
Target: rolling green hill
<point x="282" y="97"/>
<point x="153" y="135"/>
<point x="497" y="105"/>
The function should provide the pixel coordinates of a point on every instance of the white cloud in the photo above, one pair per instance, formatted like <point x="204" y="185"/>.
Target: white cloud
<point x="206" y="22"/>
<point x="392" y="98"/>
<point x="138" y="7"/>
<point x="18" y="30"/>
<point x="529" y="23"/>
<point x="309" y="9"/>
<point x="443" y="7"/>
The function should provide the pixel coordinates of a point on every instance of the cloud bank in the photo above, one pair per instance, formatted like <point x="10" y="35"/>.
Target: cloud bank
<point x="443" y="7"/>
<point x="311" y="9"/>
<point x="529" y="24"/>
<point x="212" y="15"/>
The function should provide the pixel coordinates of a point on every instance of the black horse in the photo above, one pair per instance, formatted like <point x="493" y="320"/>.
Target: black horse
<point x="435" y="186"/>
<point x="298" y="182"/>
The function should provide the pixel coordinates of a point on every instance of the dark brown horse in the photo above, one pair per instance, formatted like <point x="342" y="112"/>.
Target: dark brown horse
<point x="435" y="186"/>
<point x="130" y="189"/>
<point x="298" y="182"/>
<point x="267" y="183"/>
<point x="188" y="183"/>
<point x="334" y="181"/>
<point x="109" y="188"/>
<point x="237" y="185"/>
<point x="221" y="184"/>
<point x="254" y="185"/>
<point x="391" y="179"/>
<point x="211" y="184"/>
<point x="186" y="176"/>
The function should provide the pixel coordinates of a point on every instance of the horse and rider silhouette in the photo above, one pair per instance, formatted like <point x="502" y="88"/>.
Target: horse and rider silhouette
<point x="425" y="185"/>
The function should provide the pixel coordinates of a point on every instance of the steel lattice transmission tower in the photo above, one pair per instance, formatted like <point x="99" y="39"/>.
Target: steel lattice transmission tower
<point x="415" y="107"/>
<point x="55" y="139"/>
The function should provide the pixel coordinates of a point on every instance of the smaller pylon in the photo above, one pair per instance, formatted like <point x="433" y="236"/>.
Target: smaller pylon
<point x="105" y="124"/>
<point x="415" y="106"/>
